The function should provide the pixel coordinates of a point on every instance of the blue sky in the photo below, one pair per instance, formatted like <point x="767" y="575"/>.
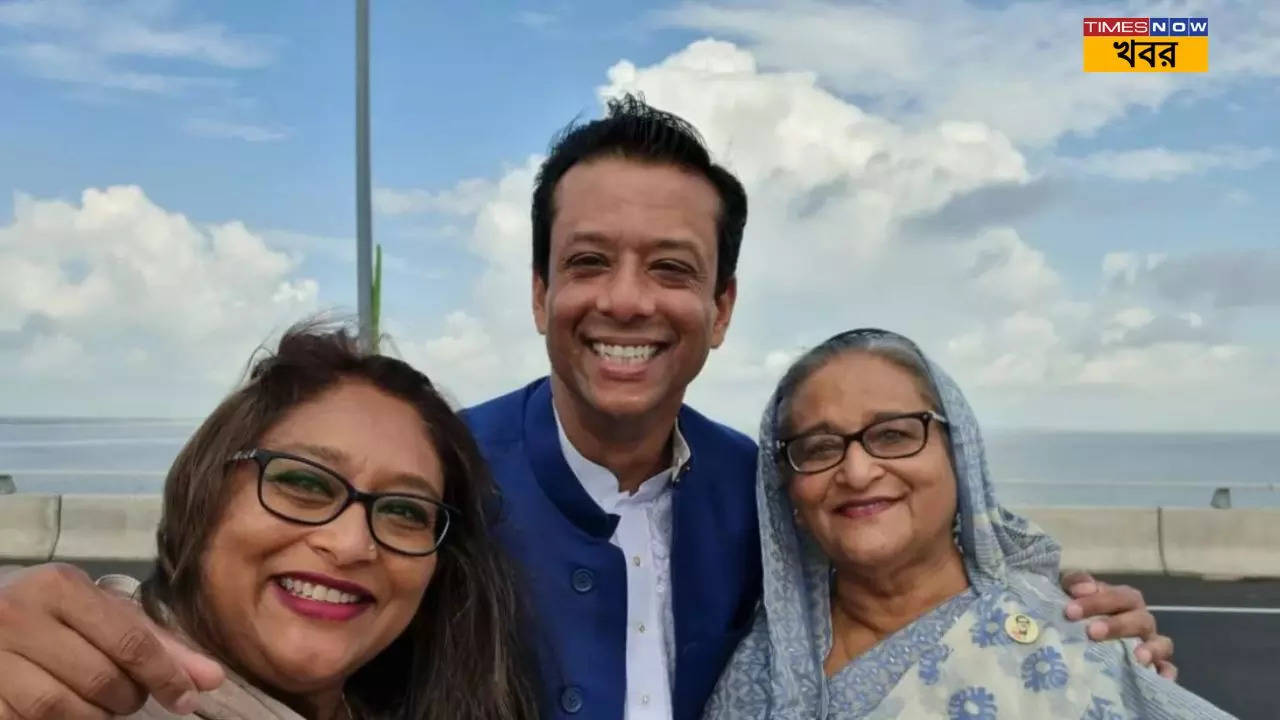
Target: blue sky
<point x="458" y="91"/>
<point x="1080" y="250"/>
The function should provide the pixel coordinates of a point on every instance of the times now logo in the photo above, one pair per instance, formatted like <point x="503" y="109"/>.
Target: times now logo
<point x="1117" y="26"/>
<point x="1146" y="26"/>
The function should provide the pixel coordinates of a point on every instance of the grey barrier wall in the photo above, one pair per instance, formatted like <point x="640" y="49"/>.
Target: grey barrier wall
<point x="107" y="527"/>
<point x="1231" y="543"/>
<point x="29" y="526"/>
<point x="1227" y="543"/>
<point x="1105" y="539"/>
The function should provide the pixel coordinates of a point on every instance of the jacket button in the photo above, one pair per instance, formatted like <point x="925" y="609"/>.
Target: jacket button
<point x="571" y="700"/>
<point x="583" y="580"/>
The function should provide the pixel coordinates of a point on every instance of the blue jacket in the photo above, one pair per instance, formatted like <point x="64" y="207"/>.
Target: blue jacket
<point x="577" y="580"/>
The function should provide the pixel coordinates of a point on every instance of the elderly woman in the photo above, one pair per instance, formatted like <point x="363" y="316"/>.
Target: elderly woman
<point x="893" y="586"/>
<point x="324" y="537"/>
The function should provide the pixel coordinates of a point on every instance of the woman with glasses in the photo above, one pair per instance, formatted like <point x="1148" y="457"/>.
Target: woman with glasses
<point x="893" y="581"/>
<point x="324" y="537"/>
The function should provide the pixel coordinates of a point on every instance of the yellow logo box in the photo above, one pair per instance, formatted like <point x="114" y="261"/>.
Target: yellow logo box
<point x="1179" y="53"/>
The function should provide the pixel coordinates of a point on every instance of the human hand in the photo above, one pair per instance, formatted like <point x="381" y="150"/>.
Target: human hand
<point x="1119" y="611"/>
<point x="70" y="651"/>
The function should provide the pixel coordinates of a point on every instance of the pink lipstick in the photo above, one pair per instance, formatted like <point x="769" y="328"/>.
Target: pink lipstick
<point x="321" y="597"/>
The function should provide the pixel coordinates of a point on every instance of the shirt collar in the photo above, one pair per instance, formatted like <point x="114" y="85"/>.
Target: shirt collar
<point x="602" y="485"/>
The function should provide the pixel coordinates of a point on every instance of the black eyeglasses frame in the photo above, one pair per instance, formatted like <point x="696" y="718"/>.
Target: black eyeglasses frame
<point x="780" y="446"/>
<point x="262" y="458"/>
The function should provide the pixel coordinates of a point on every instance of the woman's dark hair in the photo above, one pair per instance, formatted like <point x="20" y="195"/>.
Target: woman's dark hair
<point x="463" y="654"/>
<point x="635" y="130"/>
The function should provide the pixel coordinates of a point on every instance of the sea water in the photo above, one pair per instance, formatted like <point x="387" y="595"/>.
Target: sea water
<point x="1031" y="467"/>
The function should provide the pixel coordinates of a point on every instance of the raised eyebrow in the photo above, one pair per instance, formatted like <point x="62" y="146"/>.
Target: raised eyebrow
<point x="822" y="427"/>
<point x="671" y="243"/>
<point x="893" y="415"/>
<point x="322" y="453"/>
<point x="586" y="237"/>
<point x="598" y="240"/>
<point x="420" y="486"/>
<point x="825" y="427"/>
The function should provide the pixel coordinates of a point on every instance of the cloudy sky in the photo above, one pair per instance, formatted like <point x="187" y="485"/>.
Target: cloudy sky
<point x="1082" y="251"/>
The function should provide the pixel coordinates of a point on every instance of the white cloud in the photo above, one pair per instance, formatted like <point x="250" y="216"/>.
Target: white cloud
<point x="830" y="184"/>
<point x="1125" y="267"/>
<point x="204" y="43"/>
<point x="1162" y="164"/>
<point x="464" y="198"/>
<point x="1006" y="269"/>
<point x="52" y="356"/>
<point x="1140" y="327"/>
<point x="139" y="29"/>
<point x="1132" y="350"/>
<point x="468" y="361"/>
<point x="486" y="344"/>
<point x="1118" y="371"/>
<point x="831" y="244"/>
<point x="1021" y="350"/>
<point x="207" y="127"/>
<point x="1128" y="336"/>
<point x="1132" y="318"/>
<point x="119" y="289"/>
<point x="904" y="114"/>
<point x="1232" y="278"/>
<point x="389" y="201"/>
<point x="1015" y="68"/>
<point x="340" y="250"/>
<point x="466" y="355"/>
<point x="830" y="187"/>
<point x="783" y="126"/>
<point x="143" y="48"/>
<point x="76" y="65"/>
<point x="1172" y="365"/>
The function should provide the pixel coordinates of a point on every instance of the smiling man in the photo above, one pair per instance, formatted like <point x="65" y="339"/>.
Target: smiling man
<point x="634" y="516"/>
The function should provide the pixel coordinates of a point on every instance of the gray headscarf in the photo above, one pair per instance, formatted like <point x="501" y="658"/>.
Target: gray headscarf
<point x="777" y="671"/>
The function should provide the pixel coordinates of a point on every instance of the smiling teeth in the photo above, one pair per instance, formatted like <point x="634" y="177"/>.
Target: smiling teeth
<point x="319" y="593"/>
<point x="625" y="353"/>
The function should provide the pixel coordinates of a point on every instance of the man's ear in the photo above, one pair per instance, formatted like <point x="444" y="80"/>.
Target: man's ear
<point x="539" y="297"/>
<point x="724" y="311"/>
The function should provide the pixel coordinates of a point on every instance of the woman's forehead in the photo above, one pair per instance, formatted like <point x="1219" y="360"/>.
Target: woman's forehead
<point x="858" y="383"/>
<point x="365" y="428"/>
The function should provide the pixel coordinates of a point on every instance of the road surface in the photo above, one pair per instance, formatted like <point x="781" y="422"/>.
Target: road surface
<point x="1226" y="638"/>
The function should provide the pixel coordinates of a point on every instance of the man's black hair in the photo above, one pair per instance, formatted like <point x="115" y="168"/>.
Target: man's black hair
<point x="635" y="130"/>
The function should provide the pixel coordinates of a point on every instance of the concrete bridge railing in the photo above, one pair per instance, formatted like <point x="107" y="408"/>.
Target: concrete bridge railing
<point x="1218" y="543"/>
<point x="1207" y="542"/>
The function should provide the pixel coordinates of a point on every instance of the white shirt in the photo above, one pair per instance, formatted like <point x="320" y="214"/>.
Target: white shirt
<point x="644" y="536"/>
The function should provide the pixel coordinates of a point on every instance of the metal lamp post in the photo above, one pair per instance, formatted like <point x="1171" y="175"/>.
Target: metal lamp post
<point x="364" y="219"/>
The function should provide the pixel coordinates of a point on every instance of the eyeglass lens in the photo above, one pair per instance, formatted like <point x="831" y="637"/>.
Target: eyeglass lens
<point x="308" y="494"/>
<point x="894" y="438"/>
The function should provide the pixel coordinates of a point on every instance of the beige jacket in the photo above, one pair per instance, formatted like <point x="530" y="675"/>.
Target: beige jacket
<point x="235" y="699"/>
